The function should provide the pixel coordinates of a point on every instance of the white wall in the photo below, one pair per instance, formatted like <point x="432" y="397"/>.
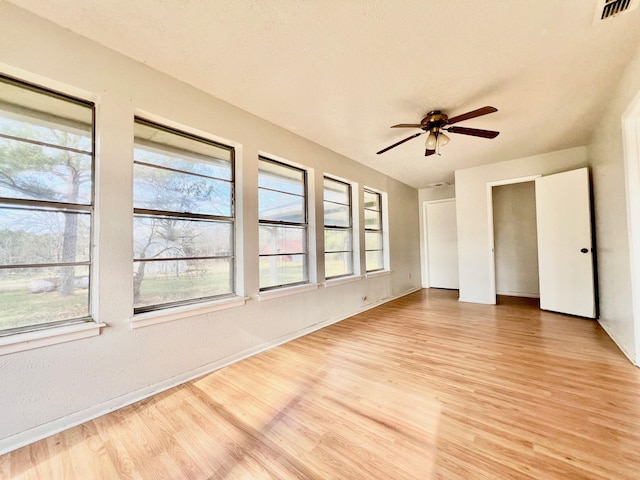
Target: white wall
<point x="52" y="387"/>
<point x="608" y="173"/>
<point x="427" y="195"/>
<point x="474" y="247"/>
<point x="515" y="239"/>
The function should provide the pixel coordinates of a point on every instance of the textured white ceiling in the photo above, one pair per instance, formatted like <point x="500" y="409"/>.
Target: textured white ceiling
<point x="341" y="72"/>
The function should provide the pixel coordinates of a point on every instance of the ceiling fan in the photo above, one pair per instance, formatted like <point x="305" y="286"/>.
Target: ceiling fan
<point x="436" y="122"/>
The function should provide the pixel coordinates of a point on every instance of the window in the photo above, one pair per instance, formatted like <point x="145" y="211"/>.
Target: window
<point x="338" y="229"/>
<point x="282" y="211"/>
<point x="373" y="242"/>
<point x="183" y="219"/>
<point x="46" y="207"/>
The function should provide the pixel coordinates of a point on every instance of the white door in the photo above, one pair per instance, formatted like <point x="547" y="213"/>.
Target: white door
<point x="442" y="244"/>
<point x="565" y="258"/>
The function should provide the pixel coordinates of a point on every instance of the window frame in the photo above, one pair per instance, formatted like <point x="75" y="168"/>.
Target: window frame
<point x="282" y="223"/>
<point x="186" y="216"/>
<point x="58" y="207"/>
<point x="374" y="230"/>
<point x="338" y="227"/>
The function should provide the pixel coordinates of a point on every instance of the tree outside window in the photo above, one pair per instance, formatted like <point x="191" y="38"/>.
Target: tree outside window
<point x="46" y="207"/>
<point x="183" y="218"/>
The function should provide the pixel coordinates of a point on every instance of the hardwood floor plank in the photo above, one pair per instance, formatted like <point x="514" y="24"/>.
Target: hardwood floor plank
<point x="421" y="387"/>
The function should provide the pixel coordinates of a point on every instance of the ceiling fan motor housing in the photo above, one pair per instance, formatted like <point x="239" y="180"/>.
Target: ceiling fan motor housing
<point x="434" y="121"/>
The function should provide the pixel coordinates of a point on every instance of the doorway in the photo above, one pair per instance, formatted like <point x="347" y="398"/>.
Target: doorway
<point x="564" y="241"/>
<point x="515" y="241"/>
<point x="507" y="272"/>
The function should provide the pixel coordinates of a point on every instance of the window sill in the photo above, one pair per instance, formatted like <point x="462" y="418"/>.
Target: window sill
<point x="48" y="336"/>
<point x="283" y="292"/>
<point x="176" y="313"/>
<point x="333" y="282"/>
<point x="378" y="273"/>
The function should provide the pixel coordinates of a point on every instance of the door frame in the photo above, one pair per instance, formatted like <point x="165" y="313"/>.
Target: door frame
<point x="631" y="154"/>
<point x="425" y="223"/>
<point x="491" y="252"/>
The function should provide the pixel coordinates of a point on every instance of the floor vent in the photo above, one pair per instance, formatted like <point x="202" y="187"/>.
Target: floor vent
<point x="611" y="8"/>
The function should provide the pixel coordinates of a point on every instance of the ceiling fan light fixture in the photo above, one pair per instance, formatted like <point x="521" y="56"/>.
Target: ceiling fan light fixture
<point x="432" y="141"/>
<point x="443" y="140"/>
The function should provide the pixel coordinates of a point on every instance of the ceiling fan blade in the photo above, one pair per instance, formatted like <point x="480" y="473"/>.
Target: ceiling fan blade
<point x="473" y="114"/>
<point x="428" y="152"/>
<point x="407" y="125"/>
<point x="399" y="143"/>
<point x="476" y="132"/>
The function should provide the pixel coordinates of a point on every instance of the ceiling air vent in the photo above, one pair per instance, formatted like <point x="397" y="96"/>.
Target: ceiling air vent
<point x="611" y="8"/>
<point x="438" y="185"/>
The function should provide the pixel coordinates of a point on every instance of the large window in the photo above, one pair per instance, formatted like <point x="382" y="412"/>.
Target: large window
<point x="282" y="205"/>
<point x="183" y="220"/>
<point x="46" y="207"/>
<point x="338" y="229"/>
<point x="373" y="239"/>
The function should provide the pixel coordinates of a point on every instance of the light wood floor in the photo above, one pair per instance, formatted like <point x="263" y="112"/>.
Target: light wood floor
<point x="422" y="387"/>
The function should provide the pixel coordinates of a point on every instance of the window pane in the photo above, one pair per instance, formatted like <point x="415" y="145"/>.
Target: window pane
<point x="336" y="240"/>
<point x="36" y="172"/>
<point x="337" y="264"/>
<point x="163" y="237"/>
<point x="46" y="154"/>
<point x="372" y="220"/>
<point x="337" y="215"/>
<point x="159" y="189"/>
<point x="374" y="261"/>
<point x="337" y="192"/>
<point x="283" y="207"/>
<point x="282" y="270"/>
<point x="282" y="240"/>
<point x="35" y="296"/>
<point x="39" y="236"/>
<point x="373" y="240"/>
<point x="45" y="118"/>
<point x="185" y="174"/>
<point x="280" y="177"/>
<point x="181" y="152"/>
<point x="165" y="281"/>
<point x="372" y="200"/>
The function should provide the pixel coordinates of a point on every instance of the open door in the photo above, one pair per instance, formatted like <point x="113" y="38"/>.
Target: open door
<point x="565" y="250"/>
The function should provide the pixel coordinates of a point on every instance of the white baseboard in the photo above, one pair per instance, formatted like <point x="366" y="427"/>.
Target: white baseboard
<point x="623" y="349"/>
<point x="519" y="294"/>
<point x="483" y="301"/>
<point x="21" y="439"/>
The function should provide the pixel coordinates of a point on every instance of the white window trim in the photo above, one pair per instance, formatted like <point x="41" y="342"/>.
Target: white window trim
<point x="333" y="282"/>
<point x="20" y="342"/>
<point x="185" y="311"/>
<point x="285" y="291"/>
<point x="378" y="273"/>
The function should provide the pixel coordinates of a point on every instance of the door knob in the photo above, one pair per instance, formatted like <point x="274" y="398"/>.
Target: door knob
<point x="584" y="250"/>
